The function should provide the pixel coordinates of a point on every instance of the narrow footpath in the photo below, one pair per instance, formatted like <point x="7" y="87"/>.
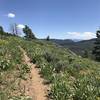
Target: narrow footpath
<point x="36" y="89"/>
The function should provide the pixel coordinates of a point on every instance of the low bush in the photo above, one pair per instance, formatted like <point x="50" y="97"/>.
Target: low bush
<point x="5" y="65"/>
<point x="50" y="57"/>
<point x="87" y="88"/>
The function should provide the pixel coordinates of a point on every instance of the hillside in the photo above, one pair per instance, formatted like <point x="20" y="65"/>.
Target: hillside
<point x="63" y="42"/>
<point x="68" y="76"/>
<point x="77" y="47"/>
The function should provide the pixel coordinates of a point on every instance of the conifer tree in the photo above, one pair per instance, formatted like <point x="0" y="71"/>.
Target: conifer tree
<point x="28" y="33"/>
<point x="96" y="51"/>
<point x="48" y="38"/>
<point x="1" y="30"/>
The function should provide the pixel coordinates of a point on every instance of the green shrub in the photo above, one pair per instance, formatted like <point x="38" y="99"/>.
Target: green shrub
<point x="60" y="90"/>
<point x="60" y="66"/>
<point x="70" y="59"/>
<point x="5" y="65"/>
<point x="50" y="57"/>
<point x="47" y="72"/>
<point x="87" y="88"/>
<point x="24" y="69"/>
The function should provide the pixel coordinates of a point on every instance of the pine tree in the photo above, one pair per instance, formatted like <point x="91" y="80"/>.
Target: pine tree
<point x="48" y="38"/>
<point x="1" y="30"/>
<point x="96" y="51"/>
<point x="2" y="33"/>
<point x="28" y="33"/>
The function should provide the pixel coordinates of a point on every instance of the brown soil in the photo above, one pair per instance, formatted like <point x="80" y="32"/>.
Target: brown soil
<point x="34" y="86"/>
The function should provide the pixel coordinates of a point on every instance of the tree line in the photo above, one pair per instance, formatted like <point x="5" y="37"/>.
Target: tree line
<point x="26" y="30"/>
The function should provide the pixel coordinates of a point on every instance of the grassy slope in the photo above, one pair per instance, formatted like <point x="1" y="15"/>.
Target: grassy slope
<point x="71" y="77"/>
<point x="12" y="70"/>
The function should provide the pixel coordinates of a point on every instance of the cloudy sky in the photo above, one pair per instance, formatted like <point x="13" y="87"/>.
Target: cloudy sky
<point x="62" y="19"/>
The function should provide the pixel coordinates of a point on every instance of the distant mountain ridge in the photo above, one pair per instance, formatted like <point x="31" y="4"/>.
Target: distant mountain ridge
<point x="77" y="47"/>
<point x="62" y="42"/>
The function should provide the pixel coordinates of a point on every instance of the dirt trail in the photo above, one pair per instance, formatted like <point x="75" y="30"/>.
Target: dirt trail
<point x="34" y="87"/>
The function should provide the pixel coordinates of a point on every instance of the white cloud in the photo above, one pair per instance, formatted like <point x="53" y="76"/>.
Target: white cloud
<point x="73" y="33"/>
<point x="20" y="26"/>
<point x="88" y="35"/>
<point x="78" y="35"/>
<point x="11" y="15"/>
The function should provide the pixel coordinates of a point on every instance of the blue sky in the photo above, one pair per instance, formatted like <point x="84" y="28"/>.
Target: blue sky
<point x="62" y="19"/>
